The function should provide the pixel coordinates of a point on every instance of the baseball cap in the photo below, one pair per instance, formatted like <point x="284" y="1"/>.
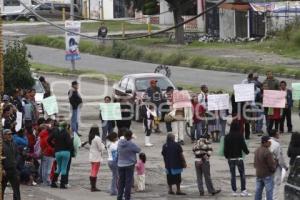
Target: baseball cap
<point x="6" y="131"/>
<point x="6" y="97"/>
<point x="153" y="81"/>
<point x="265" y="139"/>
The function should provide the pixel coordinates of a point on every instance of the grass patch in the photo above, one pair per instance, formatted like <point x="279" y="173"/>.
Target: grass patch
<point x="114" y="26"/>
<point x="124" y="50"/>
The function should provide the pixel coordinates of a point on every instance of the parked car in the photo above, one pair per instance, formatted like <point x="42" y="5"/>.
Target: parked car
<point x="49" y="11"/>
<point x="39" y="95"/>
<point x="292" y="187"/>
<point x="133" y="87"/>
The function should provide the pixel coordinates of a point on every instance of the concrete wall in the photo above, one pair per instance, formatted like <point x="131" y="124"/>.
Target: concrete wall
<point x="227" y="23"/>
<point x="166" y="18"/>
<point x="108" y="9"/>
<point x="278" y="21"/>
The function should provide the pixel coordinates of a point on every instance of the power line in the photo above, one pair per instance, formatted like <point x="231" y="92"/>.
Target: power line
<point x="126" y="38"/>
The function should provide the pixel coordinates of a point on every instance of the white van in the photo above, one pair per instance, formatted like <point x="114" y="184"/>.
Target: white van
<point x="10" y="9"/>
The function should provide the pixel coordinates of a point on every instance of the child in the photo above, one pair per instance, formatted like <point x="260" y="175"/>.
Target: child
<point x="29" y="172"/>
<point x="140" y="172"/>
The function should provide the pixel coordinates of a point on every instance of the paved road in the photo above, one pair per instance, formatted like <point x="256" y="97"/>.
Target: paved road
<point x="156" y="181"/>
<point x="182" y="75"/>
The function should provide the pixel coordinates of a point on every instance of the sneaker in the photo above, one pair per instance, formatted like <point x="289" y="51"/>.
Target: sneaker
<point x="245" y="194"/>
<point x="234" y="194"/>
<point x="34" y="183"/>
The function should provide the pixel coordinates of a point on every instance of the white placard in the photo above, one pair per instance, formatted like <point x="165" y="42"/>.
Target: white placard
<point x="19" y="121"/>
<point x="72" y="40"/>
<point x="218" y="101"/>
<point x="244" y="92"/>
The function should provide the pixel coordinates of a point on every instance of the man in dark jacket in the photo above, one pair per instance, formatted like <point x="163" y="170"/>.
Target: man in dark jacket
<point x="294" y="147"/>
<point x="287" y="111"/>
<point x="75" y="101"/>
<point x="234" y="147"/>
<point x="265" y="166"/>
<point x="9" y="163"/>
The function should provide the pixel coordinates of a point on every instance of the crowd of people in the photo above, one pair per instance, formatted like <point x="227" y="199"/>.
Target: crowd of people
<point x="42" y="147"/>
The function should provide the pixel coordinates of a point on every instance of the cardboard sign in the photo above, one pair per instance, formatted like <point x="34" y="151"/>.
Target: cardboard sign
<point x="110" y="111"/>
<point x="50" y="105"/>
<point x="296" y="91"/>
<point x="181" y="99"/>
<point x="274" y="99"/>
<point x="244" y="92"/>
<point x="218" y="101"/>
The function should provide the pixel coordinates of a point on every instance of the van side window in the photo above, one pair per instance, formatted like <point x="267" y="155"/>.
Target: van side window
<point x="44" y="7"/>
<point x="12" y="3"/>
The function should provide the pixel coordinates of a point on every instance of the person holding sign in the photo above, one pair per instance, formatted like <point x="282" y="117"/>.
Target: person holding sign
<point x="107" y="125"/>
<point x="287" y="111"/>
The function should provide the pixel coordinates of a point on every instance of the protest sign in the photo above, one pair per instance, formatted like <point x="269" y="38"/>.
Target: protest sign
<point x="244" y="92"/>
<point x="110" y="111"/>
<point x="181" y="99"/>
<point x="72" y="40"/>
<point x="19" y="121"/>
<point x="50" y="105"/>
<point x="274" y="99"/>
<point x="296" y="91"/>
<point x="218" y="101"/>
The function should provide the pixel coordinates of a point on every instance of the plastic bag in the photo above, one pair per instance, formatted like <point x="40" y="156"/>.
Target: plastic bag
<point x="221" y="146"/>
<point x="76" y="144"/>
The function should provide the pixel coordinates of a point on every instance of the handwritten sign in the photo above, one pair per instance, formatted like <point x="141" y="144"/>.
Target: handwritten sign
<point x="274" y="99"/>
<point x="244" y="92"/>
<point x="218" y="101"/>
<point x="296" y="91"/>
<point x="110" y="111"/>
<point x="50" y="105"/>
<point x="19" y="121"/>
<point x="181" y="99"/>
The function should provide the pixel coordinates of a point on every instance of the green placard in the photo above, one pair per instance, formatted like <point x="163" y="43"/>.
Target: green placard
<point x="50" y="105"/>
<point x="296" y="91"/>
<point x="110" y="111"/>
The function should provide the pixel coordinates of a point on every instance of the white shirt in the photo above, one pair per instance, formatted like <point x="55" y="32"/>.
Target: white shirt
<point x="112" y="149"/>
<point x="276" y="150"/>
<point x="96" y="149"/>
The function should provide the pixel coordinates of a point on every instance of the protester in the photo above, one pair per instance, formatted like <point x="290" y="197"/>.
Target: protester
<point x="17" y="100"/>
<point x="287" y="111"/>
<point x="294" y="147"/>
<point x="76" y="102"/>
<point x="202" y="151"/>
<point x="47" y="153"/>
<point x="61" y="141"/>
<point x="126" y="112"/>
<point x="276" y="150"/>
<point x="20" y="139"/>
<point x="168" y="102"/>
<point x="198" y="119"/>
<point x="112" y="150"/>
<point x="140" y="172"/>
<point x="127" y="151"/>
<point x="178" y="125"/>
<point x="265" y="166"/>
<point x="107" y="125"/>
<point x="202" y="97"/>
<point x="256" y="81"/>
<point x="249" y="79"/>
<point x="155" y="95"/>
<point x="174" y="163"/>
<point x="148" y="121"/>
<point x="29" y="110"/>
<point x="234" y="147"/>
<point x="46" y="87"/>
<point x="95" y="156"/>
<point x="10" y="173"/>
<point x="274" y="116"/>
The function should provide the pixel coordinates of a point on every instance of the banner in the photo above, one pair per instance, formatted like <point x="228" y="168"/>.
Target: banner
<point x="274" y="99"/>
<point x="244" y="92"/>
<point x="181" y="99"/>
<point x="72" y="40"/>
<point x="218" y="102"/>
<point x="19" y="121"/>
<point x="50" y="105"/>
<point x="110" y="111"/>
<point x="277" y="7"/>
<point x="296" y="91"/>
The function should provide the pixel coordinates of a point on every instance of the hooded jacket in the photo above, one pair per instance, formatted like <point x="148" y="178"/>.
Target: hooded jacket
<point x="127" y="151"/>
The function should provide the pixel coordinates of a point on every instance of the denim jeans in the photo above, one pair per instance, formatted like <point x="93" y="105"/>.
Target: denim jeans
<point x="46" y="164"/>
<point x="259" y="121"/>
<point x="114" y="170"/>
<point x="199" y="126"/>
<point x="266" y="182"/>
<point x="74" y="120"/>
<point x="107" y="128"/>
<point x="241" y="168"/>
<point x="125" y="182"/>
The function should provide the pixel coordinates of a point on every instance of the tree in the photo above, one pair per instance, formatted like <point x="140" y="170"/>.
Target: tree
<point x="16" y="68"/>
<point x="179" y="8"/>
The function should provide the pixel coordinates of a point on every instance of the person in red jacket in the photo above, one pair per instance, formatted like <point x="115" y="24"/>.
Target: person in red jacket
<point x="198" y="118"/>
<point x="47" y="155"/>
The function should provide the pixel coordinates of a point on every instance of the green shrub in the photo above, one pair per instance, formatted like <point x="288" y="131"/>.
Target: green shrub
<point x="118" y="49"/>
<point x="153" y="57"/>
<point x="196" y="62"/>
<point x="173" y="59"/>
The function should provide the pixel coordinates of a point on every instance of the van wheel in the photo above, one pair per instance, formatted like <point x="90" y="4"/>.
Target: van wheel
<point x="32" y="19"/>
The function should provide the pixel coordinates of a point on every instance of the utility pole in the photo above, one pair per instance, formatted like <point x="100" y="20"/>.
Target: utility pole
<point x="72" y="10"/>
<point x="1" y="93"/>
